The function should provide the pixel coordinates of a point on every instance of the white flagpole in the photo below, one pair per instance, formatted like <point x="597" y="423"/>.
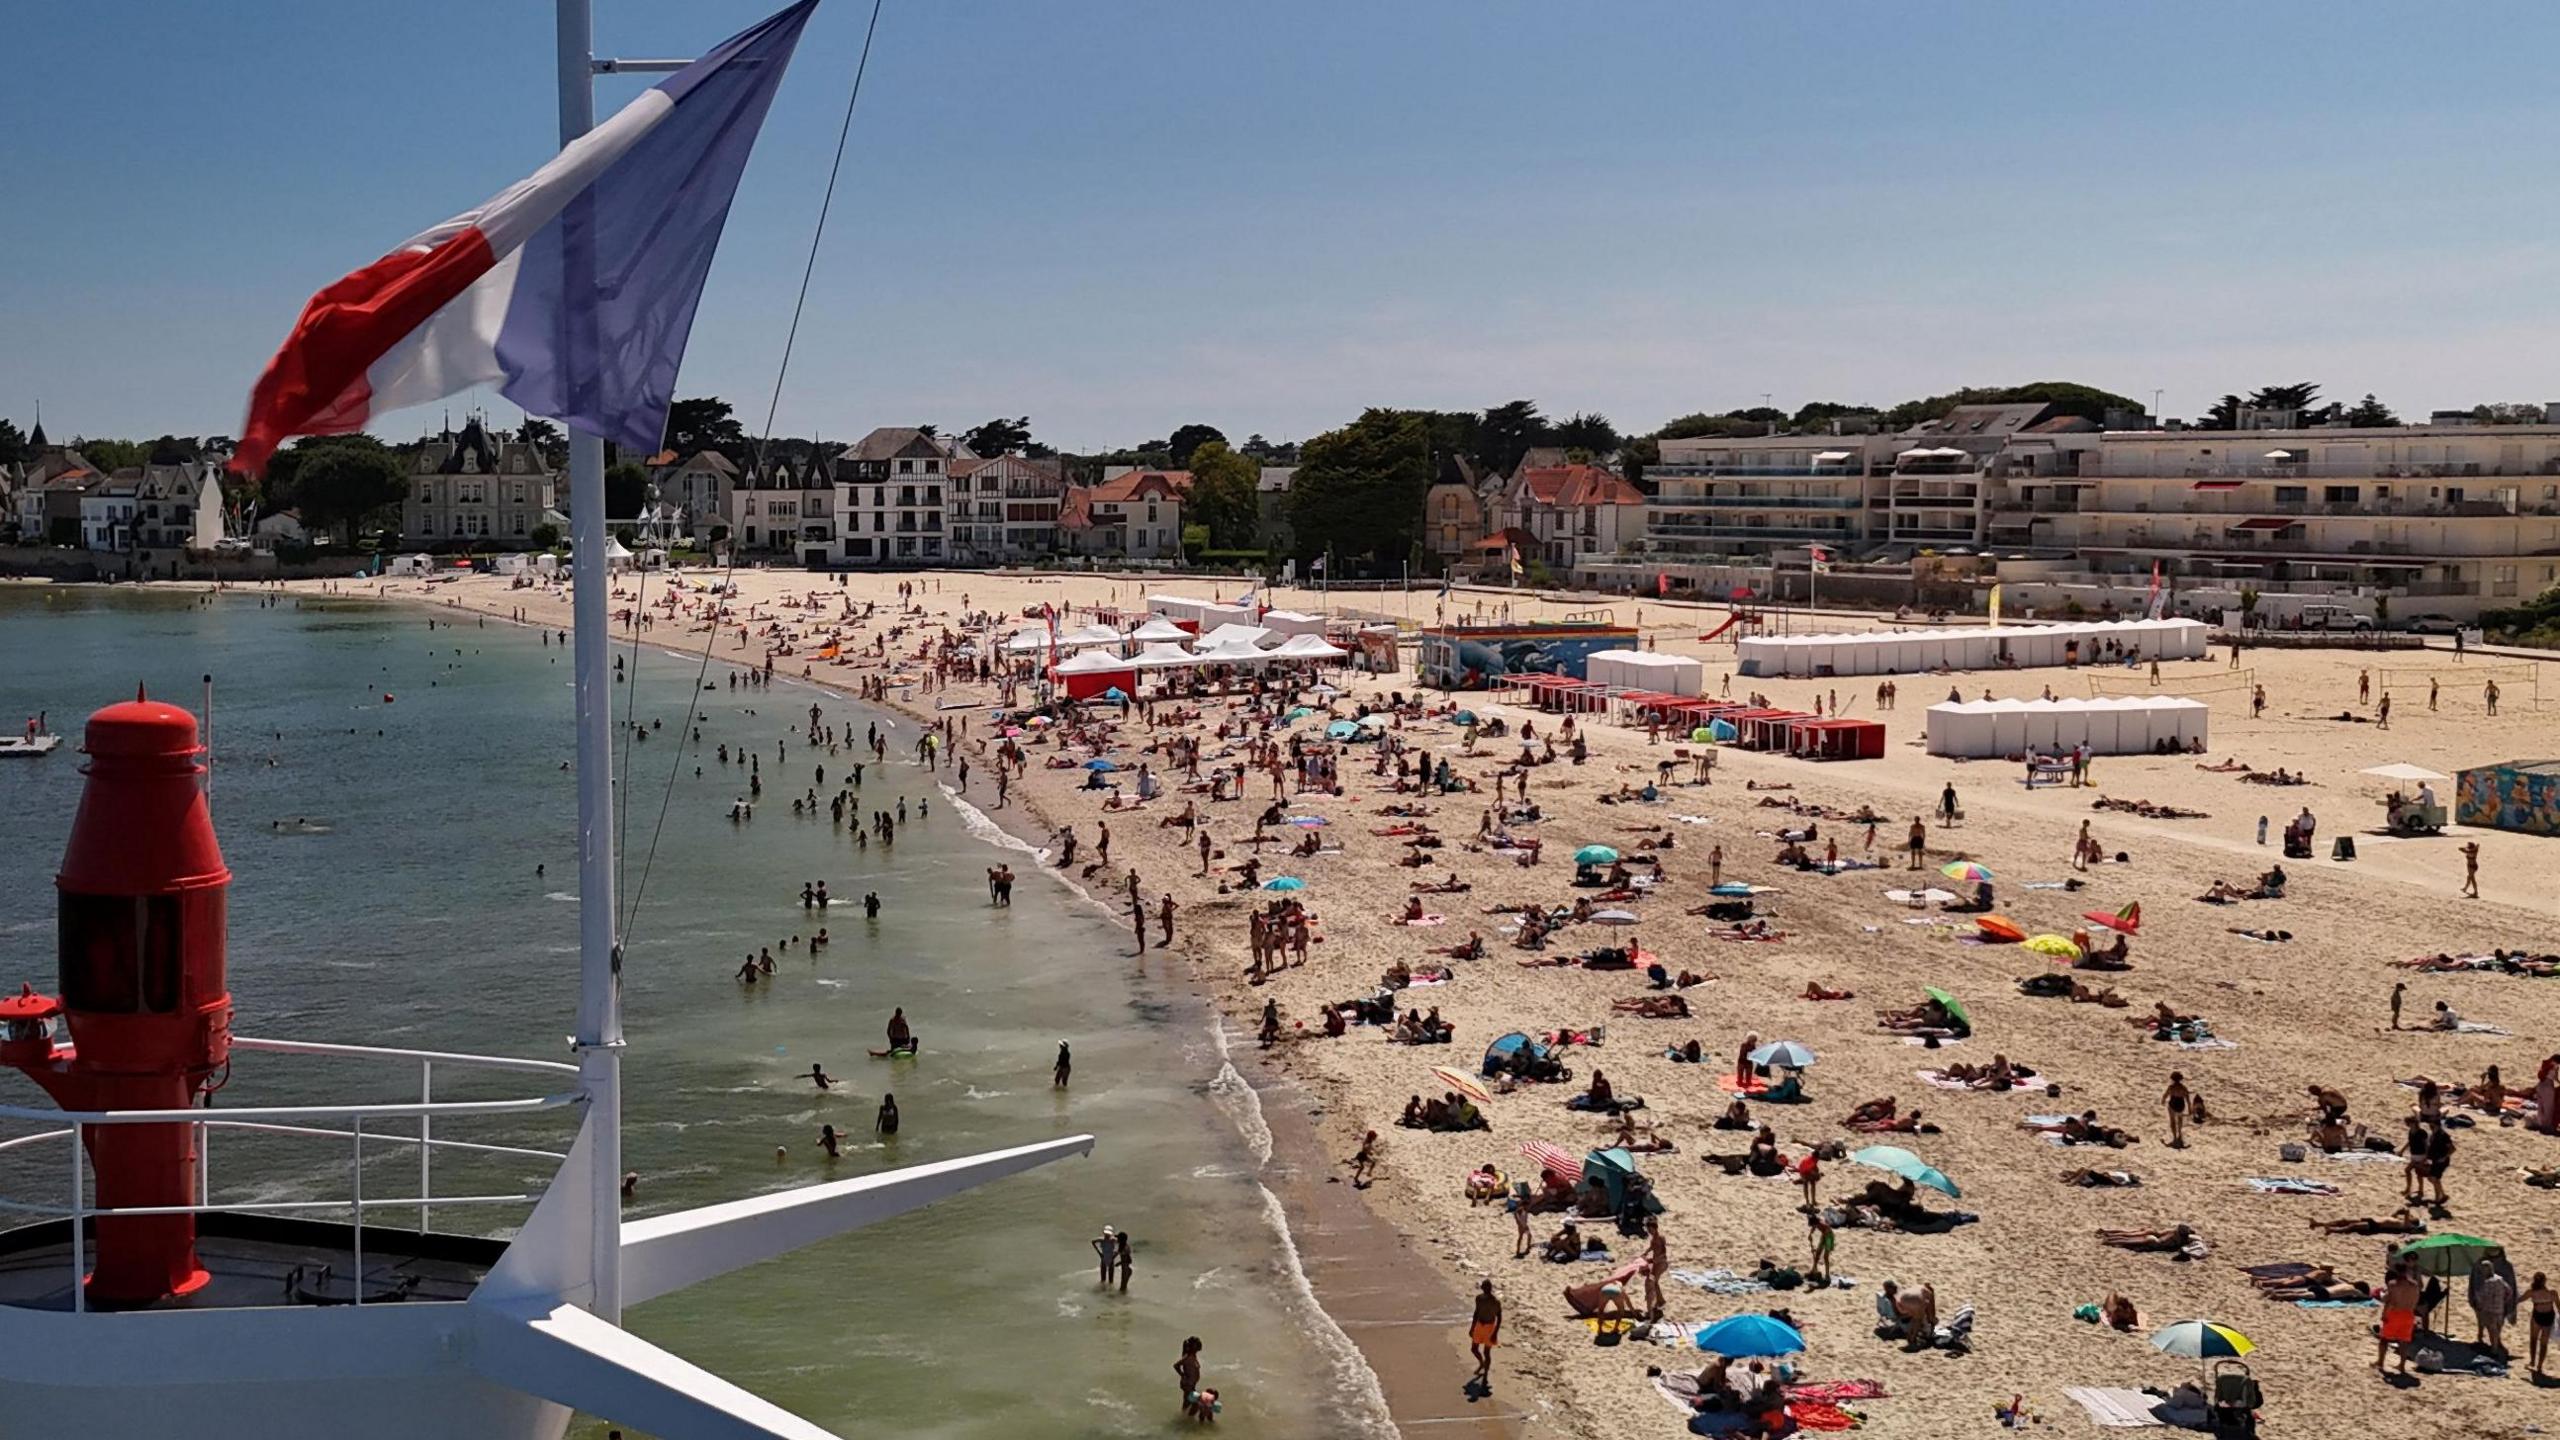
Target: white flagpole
<point x="599" y="1037"/>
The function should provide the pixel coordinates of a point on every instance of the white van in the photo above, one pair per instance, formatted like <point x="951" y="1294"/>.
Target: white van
<point x="2334" y="617"/>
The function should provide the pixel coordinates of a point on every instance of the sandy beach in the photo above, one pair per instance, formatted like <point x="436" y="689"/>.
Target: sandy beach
<point x="2286" y="1015"/>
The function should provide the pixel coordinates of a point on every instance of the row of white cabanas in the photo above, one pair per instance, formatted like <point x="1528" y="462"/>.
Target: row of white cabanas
<point x="1907" y="652"/>
<point x="1165" y="655"/>
<point x="2123" y="725"/>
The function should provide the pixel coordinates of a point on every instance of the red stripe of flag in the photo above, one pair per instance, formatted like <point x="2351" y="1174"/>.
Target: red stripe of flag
<point x="316" y="383"/>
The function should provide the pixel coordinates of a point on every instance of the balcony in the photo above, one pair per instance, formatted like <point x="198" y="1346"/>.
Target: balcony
<point x="1756" y="502"/>
<point x="1837" y="535"/>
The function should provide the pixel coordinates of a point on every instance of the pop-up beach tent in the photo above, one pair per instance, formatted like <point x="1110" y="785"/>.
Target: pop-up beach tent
<point x="1090" y="674"/>
<point x="1293" y="622"/>
<point x="2124" y="725"/>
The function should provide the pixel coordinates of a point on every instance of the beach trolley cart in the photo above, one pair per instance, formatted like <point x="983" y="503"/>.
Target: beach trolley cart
<point x="2403" y="815"/>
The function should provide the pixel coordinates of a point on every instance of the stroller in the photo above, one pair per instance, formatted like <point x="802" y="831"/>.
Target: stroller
<point x="2233" y="1409"/>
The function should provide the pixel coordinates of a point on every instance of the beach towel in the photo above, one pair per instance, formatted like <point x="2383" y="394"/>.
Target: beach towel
<point x="2367" y="1303"/>
<point x="2210" y="1042"/>
<point x="1425" y="921"/>
<point x="1923" y="1040"/>
<point x="1820" y="1415"/>
<point x="2289" y="1185"/>
<point x="2114" y="1408"/>
<point x="1731" y="1086"/>
<point x="2479" y="1027"/>
<point x="2026" y="1085"/>
<point x="1718" y="1282"/>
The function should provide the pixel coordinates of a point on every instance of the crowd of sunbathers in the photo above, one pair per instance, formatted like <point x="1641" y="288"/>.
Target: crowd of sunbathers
<point x="2147" y="809"/>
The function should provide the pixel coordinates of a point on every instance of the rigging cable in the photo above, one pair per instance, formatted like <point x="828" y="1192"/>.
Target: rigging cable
<point x="773" y="408"/>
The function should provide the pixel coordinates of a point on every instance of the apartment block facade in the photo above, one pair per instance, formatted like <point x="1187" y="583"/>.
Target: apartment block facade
<point x="1003" y="509"/>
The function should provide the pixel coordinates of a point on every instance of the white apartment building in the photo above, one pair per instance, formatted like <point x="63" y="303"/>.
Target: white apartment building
<point x="2451" y="519"/>
<point x="107" y="511"/>
<point x="471" y="486"/>
<point x="701" y="486"/>
<point x="787" y="510"/>
<point x="893" y="483"/>
<point x="1003" y="510"/>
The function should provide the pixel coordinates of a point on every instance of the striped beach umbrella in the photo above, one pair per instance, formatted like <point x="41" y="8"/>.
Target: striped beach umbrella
<point x="1463" y="1083"/>
<point x="1554" y="1160"/>
<point x="1969" y="871"/>
<point x="2201" y="1340"/>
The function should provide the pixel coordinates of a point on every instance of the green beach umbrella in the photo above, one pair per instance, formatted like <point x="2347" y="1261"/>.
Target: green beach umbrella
<point x="1954" y="1006"/>
<point x="1909" y="1166"/>
<point x="1595" y="855"/>
<point x="2447" y="1255"/>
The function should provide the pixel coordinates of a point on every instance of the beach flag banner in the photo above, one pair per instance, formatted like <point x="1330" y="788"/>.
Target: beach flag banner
<point x="1995" y="606"/>
<point x="1662" y="584"/>
<point x="1821" y="559"/>
<point x="1517" y="569"/>
<point x="571" y="292"/>
<point x="2157" y="599"/>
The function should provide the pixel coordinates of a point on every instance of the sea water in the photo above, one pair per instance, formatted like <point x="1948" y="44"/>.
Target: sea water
<point x="384" y="794"/>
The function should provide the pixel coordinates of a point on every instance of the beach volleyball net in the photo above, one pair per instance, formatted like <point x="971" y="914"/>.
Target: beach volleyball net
<point x="2519" y="681"/>
<point x="2221" y="684"/>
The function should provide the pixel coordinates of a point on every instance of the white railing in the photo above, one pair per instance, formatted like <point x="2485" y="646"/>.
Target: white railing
<point x="297" y="1120"/>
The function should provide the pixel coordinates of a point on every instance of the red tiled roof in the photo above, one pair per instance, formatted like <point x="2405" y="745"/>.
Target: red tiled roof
<point x="1571" y="486"/>
<point x="1173" y="484"/>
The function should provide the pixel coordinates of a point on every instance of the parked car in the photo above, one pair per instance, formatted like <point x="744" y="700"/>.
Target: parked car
<point x="2334" y="617"/>
<point x="2433" y="623"/>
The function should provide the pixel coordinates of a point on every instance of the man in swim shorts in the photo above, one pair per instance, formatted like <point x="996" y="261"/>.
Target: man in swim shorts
<point x="1482" y="1334"/>
<point x="2399" y="1317"/>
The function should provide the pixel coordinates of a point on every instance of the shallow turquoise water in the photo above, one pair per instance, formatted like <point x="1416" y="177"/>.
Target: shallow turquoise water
<point x="399" y="905"/>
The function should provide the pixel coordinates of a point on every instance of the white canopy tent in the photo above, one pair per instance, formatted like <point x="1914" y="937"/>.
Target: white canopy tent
<point x="1293" y="622"/>
<point x="1094" y="662"/>
<point x="1159" y="628"/>
<point x="1647" y="670"/>
<point x="2124" y="725"/>
<point x="1232" y="634"/>
<point x="1905" y="652"/>
<point x="1308" y="647"/>
<point x="1162" y="656"/>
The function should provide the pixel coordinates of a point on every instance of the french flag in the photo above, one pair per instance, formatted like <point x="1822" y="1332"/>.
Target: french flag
<point x="572" y="291"/>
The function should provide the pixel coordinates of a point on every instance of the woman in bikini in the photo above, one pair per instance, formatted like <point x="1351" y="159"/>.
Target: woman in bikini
<point x="2542" y="1306"/>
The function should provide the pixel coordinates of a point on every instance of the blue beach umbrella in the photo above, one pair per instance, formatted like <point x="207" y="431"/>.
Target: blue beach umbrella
<point x="1730" y="889"/>
<point x="1909" y="1166"/>
<point x="1284" y="882"/>
<point x="1793" y="1054"/>
<point x="1341" y="730"/>
<point x="1741" y="1336"/>
<point x="1100" y="764"/>
<point x="1594" y="855"/>
<point x="1115" y="693"/>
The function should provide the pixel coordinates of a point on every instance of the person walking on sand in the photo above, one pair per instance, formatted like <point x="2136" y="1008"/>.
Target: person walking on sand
<point x="1164" y="913"/>
<point x="2399" y="1317"/>
<point x="1365" y="1162"/>
<point x="2431" y="694"/>
<point x="1483" y="1333"/>
<point x="2542" y="1307"/>
<point x="2382" y="713"/>
<point x="2399" y="992"/>
<point x="1823" y="1239"/>
<point x="2489" y="694"/>
<point x="2175" y="1097"/>
<point x="1947" y="804"/>
<point x="2471" y="869"/>
<point x="1919" y="842"/>
<point x="2364" y="687"/>
<point x="1715" y="865"/>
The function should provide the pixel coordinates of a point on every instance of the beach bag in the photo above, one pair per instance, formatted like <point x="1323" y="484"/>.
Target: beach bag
<point x="2293" y="1150"/>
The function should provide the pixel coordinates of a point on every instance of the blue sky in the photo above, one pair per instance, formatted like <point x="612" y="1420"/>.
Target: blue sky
<point x="1119" y="217"/>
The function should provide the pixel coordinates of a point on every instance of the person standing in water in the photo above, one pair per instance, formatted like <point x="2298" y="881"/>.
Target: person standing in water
<point x="1065" y="1065"/>
<point x="886" y="1126"/>
<point x="818" y="1074"/>
<point x="1121" y="1259"/>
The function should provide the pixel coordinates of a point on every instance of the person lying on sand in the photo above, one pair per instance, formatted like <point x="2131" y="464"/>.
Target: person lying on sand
<point x="1908" y="1123"/>
<point x="1998" y="1075"/>
<point x="2118" y="956"/>
<point x="1929" y="1017"/>
<point x="1640" y="1139"/>
<point x="2398" y="1222"/>
<point x="2322" y="1283"/>
<point x="1653" y="1007"/>
<point x="1451" y="886"/>
<point x="2100" y="1179"/>
<point x="2176" y="1237"/>
<point x="1814" y="990"/>
<point x="1472" y="948"/>
<point x="1869" y="1112"/>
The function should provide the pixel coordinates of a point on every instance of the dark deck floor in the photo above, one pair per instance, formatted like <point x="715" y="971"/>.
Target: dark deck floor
<point x="251" y="1259"/>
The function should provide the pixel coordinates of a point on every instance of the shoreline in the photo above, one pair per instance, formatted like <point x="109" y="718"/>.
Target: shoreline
<point x="1404" y="1365"/>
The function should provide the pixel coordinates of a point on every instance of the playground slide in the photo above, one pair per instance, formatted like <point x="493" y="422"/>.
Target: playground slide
<point x="1729" y="622"/>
